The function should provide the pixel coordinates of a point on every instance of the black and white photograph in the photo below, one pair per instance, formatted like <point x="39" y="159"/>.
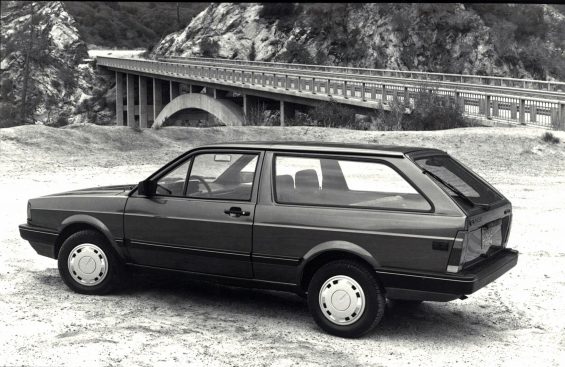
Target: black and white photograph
<point x="282" y="184"/>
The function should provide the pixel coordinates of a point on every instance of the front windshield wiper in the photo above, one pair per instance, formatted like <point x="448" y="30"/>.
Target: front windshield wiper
<point x="456" y="191"/>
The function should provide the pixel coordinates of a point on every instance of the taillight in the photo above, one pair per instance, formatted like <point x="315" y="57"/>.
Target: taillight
<point x="454" y="264"/>
<point x="28" y="211"/>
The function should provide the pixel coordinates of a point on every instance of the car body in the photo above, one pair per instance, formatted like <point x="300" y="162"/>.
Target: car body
<point x="403" y="223"/>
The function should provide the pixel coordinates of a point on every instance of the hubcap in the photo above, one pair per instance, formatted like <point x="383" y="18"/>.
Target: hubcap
<point x="88" y="264"/>
<point x="342" y="300"/>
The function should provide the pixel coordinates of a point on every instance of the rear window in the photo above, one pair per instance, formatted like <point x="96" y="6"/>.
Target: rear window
<point x="461" y="178"/>
<point x="342" y="182"/>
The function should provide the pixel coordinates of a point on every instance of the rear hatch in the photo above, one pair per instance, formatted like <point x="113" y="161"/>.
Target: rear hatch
<point x="489" y="213"/>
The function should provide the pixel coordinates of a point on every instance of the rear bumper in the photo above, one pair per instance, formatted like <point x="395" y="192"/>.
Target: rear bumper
<point x="42" y="240"/>
<point x="447" y="287"/>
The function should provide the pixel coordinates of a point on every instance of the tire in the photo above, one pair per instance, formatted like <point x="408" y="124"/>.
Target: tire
<point x="333" y="289"/>
<point x="88" y="264"/>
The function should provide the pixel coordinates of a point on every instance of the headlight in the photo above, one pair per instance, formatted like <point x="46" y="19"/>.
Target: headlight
<point x="28" y="211"/>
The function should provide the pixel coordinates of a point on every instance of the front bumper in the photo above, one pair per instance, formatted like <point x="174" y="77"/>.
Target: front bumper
<point x="444" y="287"/>
<point x="42" y="240"/>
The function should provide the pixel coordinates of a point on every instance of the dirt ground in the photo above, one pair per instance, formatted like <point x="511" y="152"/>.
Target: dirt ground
<point x="519" y="320"/>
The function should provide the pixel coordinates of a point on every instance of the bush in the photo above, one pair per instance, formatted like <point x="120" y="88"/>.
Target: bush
<point x="9" y="115"/>
<point x="209" y="47"/>
<point x="550" y="138"/>
<point x="272" y="11"/>
<point x="431" y="111"/>
<point x="332" y="114"/>
<point x="295" y="53"/>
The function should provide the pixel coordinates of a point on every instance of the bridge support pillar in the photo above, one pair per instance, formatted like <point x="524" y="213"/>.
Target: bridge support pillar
<point x="119" y="99"/>
<point x="130" y="100"/>
<point x="174" y="90"/>
<point x="218" y="93"/>
<point x="142" y="102"/>
<point x="157" y="97"/>
<point x="288" y="110"/>
<point x="250" y="103"/>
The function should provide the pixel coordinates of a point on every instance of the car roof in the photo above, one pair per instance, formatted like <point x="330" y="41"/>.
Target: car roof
<point x="325" y="147"/>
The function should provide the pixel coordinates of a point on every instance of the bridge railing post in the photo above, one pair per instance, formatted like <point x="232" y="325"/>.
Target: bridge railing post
<point x="363" y="92"/>
<point x="562" y="117"/>
<point x="275" y="82"/>
<point x="328" y="84"/>
<point x="345" y="89"/>
<point x="262" y="79"/>
<point x="522" y="109"/>
<point x="487" y="106"/>
<point x="383" y="96"/>
<point x="313" y="85"/>
<point x="286" y="82"/>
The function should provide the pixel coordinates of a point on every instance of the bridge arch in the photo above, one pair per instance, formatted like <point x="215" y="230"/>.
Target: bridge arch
<point x="224" y="110"/>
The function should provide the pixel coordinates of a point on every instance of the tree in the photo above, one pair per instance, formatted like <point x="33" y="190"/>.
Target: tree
<point x="252" y="53"/>
<point x="296" y="53"/>
<point x="209" y="47"/>
<point x="31" y="51"/>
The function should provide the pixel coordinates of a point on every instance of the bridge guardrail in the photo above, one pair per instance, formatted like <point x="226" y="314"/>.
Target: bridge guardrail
<point x="543" y="112"/>
<point x="419" y="75"/>
<point x="388" y="79"/>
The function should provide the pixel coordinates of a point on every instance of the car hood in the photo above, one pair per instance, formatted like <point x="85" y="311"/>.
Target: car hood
<point x="114" y="190"/>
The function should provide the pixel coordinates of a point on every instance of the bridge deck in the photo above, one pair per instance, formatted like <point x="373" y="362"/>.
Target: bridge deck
<point x="544" y="108"/>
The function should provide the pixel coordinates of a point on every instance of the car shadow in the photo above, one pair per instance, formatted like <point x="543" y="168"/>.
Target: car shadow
<point x="429" y="319"/>
<point x="440" y="321"/>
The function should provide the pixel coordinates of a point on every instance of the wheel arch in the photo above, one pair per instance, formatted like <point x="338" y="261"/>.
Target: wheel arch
<point x="80" y="222"/>
<point x="330" y="251"/>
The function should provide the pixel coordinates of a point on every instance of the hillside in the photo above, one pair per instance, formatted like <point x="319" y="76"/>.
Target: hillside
<point x="491" y="39"/>
<point x="130" y="24"/>
<point x="44" y="76"/>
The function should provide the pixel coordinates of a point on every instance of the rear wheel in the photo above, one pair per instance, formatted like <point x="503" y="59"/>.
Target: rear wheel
<point x="88" y="264"/>
<point x="345" y="299"/>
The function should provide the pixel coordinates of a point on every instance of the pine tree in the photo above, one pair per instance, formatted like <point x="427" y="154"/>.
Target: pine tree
<point x="252" y="52"/>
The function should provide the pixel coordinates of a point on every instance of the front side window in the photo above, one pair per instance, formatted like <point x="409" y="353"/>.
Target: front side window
<point x="342" y="182"/>
<point x="172" y="184"/>
<point x="222" y="176"/>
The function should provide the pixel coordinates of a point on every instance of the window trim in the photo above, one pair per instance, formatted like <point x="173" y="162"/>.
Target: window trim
<point x="338" y="157"/>
<point x="257" y="170"/>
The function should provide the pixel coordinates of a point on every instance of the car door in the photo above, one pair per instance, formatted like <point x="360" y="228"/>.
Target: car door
<point x="201" y="218"/>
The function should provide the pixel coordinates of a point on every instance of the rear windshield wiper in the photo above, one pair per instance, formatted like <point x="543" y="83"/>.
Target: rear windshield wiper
<point x="456" y="191"/>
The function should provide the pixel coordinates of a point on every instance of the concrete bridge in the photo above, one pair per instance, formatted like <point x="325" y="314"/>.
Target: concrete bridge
<point x="232" y="90"/>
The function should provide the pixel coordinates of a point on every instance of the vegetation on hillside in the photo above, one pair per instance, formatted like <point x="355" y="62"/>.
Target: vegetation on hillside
<point x="37" y="76"/>
<point x="130" y="24"/>
<point x="522" y="37"/>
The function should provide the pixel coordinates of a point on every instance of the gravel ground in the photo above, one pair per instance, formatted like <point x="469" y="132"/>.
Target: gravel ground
<point x="161" y="320"/>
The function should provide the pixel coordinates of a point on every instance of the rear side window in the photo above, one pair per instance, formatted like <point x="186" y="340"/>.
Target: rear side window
<point x="461" y="178"/>
<point x="342" y="182"/>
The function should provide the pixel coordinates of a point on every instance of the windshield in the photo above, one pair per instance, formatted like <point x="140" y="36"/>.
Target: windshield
<point x="456" y="175"/>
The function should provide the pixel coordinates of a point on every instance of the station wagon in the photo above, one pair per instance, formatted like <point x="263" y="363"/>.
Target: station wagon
<point x="347" y="226"/>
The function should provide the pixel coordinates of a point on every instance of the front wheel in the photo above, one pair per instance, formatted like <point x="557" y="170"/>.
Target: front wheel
<point x="88" y="264"/>
<point x="345" y="299"/>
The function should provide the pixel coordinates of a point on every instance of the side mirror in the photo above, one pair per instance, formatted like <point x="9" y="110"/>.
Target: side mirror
<point x="147" y="188"/>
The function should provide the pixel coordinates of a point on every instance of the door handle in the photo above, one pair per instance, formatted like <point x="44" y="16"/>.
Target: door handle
<point x="236" y="212"/>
